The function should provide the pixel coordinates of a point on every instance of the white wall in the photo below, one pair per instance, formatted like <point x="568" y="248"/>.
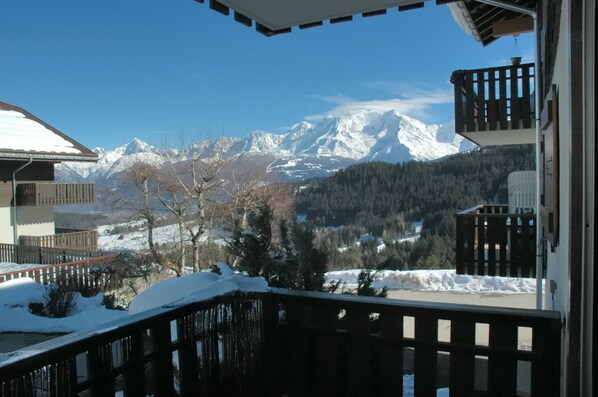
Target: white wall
<point x="558" y="261"/>
<point x="32" y="221"/>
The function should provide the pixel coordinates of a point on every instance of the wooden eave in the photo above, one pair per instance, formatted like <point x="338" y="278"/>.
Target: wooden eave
<point x="485" y="16"/>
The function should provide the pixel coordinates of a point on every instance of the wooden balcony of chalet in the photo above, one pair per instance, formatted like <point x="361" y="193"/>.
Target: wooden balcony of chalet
<point x="493" y="242"/>
<point x="290" y="343"/>
<point x="49" y="193"/>
<point x="495" y="106"/>
<point x="64" y="238"/>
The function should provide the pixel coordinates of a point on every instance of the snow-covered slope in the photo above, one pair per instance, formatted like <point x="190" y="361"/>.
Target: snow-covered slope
<point x="305" y="150"/>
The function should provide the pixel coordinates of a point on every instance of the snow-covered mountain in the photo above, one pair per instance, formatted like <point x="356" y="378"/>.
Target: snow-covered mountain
<point x="305" y="150"/>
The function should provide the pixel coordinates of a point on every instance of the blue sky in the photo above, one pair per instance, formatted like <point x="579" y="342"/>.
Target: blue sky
<point x="107" y="71"/>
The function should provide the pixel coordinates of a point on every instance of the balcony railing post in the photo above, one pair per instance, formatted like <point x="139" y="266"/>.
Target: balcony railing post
<point x="271" y="371"/>
<point x="135" y="379"/>
<point x="162" y="363"/>
<point x="358" y="372"/>
<point x="99" y="368"/>
<point x="502" y="367"/>
<point x="189" y="382"/>
<point x="462" y="361"/>
<point x="425" y="359"/>
<point x="391" y="355"/>
<point x="546" y="346"/>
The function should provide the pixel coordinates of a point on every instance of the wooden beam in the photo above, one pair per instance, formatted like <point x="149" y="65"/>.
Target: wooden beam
<point x="513" y="26"/>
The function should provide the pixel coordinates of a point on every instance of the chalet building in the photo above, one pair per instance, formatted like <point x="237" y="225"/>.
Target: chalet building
<point x="304" y="344"/>
<point x="29" y="148"/>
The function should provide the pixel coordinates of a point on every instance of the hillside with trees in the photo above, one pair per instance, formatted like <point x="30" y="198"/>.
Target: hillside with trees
<point x="384" y="199"/>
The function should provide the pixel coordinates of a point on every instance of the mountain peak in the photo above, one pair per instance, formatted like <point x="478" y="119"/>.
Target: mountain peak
<point x="305" y="150"/>
<point x="137" y="146"/>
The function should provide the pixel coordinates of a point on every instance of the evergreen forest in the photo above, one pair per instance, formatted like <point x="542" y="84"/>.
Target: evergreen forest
<point x="385" y="200"/>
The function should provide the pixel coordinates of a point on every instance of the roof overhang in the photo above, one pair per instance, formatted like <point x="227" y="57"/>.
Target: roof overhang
<point x="50" y="157"/>
<point x="488" y="22"/>
<point x="279" y="16"/>
<point x="75" y="152"/>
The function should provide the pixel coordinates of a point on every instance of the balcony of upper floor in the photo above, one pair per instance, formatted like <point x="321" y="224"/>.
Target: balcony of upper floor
<point x="64" y="238"/>
<point x="50" y="193"/>
<point x="495" y="106"/>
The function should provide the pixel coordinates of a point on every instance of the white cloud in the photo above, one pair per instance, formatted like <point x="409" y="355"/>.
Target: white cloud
<point x="410" y="100"/>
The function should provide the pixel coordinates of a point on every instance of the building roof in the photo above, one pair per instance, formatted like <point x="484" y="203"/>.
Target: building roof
<point x="24" y="136"/>
<point x="273" y="17"/>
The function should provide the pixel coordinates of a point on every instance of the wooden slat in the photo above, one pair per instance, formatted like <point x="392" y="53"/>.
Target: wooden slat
<point x="469" y="104"/>
<point x="502" y="367"/>
<point x="462" y="361"/>
<point x="515" y="98"/>
<point x="502" y="94"/>
<point x="526" y="95"/>
<point x="481" y="101"/>
<point x="391" y="355"/>
<point x="457" y="81"/>
<point x="425" y="360"/>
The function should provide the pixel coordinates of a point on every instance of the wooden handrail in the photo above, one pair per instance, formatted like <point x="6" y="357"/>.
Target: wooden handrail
<point x="294" y="343"/>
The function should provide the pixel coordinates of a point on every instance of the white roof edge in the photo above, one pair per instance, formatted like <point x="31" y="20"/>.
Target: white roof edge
<point x="462" y="17"/>
<point x="47" y="157"/>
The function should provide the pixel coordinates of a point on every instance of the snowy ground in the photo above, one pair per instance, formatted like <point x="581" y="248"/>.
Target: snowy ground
<point x="16" y="295"/>
<point x="438" y="280"/>
<point x="137" y="240"/>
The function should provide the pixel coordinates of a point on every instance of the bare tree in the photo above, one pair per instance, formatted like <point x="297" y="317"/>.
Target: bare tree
<point x="194" y="184"/>
<point x="141" y="177"/>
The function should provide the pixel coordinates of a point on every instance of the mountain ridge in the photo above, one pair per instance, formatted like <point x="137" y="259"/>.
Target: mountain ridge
<point x="306" y="150"/>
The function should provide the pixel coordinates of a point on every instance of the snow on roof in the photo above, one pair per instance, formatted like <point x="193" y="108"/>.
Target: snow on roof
<point x="24" y="135"/>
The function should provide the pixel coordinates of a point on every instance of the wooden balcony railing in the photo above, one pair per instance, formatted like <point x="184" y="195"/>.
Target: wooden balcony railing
<point x="64" y="238"/>
<point x="289" y="343"/>
<point x="493" y="100"/>
<point x="92" y="273"/>
<point x="43" y="255"/>
<point x="492" y="242"/>
<point x="49" y="193"/>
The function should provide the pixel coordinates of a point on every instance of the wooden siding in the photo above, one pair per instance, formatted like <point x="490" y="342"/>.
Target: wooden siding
<point x="36" y="171"/>
<point x="5" y="194"/>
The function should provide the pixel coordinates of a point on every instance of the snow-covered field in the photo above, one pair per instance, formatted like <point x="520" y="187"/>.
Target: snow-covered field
<point x="438" y="280"/>
<point x="137" y="240"/>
